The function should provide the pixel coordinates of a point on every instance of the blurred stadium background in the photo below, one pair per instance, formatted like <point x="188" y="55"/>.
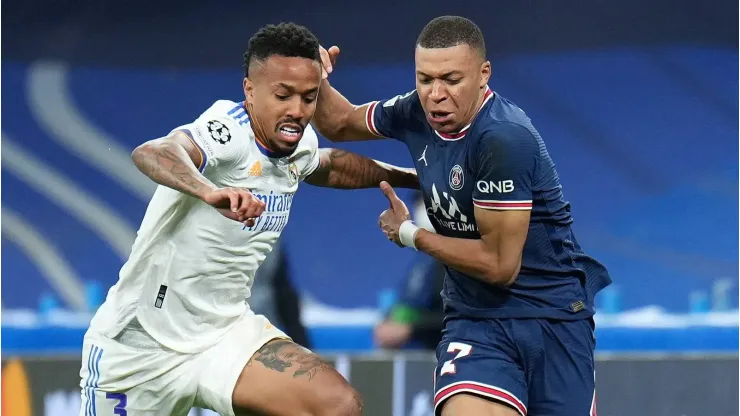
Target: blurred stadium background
<point x="636" y="99"/>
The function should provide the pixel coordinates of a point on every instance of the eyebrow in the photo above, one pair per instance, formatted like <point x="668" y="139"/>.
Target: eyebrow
<point x="445" y="75"/>
<point x="291" y="88"/>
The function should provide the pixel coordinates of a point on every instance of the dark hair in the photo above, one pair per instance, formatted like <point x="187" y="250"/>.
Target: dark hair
<point x="449" y="31"/>
<point x="284" y="39"/>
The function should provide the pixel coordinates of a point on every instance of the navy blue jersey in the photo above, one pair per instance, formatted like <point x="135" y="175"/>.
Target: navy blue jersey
<point x="497" y="162"/>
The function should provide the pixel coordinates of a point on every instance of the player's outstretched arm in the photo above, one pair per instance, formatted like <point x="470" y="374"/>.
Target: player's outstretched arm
<point x="336" y="118"/>
<point x="339" y="120"/>
<point x="173" y="161"/>
<point x="346" y="170"/>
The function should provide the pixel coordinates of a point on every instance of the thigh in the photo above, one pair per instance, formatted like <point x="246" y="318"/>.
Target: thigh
<point x="117" y="379"/>
<point x="563" y="381"/>
<point x="477" y="366"/>
<point x="283" y="378"/>
<point x="256" y="369"/>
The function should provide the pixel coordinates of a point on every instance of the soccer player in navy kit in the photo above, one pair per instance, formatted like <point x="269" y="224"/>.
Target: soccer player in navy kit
<point x="519" y="292"/>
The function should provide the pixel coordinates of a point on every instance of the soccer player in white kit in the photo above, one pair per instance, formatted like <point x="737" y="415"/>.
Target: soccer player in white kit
<point x="176" y="330"/>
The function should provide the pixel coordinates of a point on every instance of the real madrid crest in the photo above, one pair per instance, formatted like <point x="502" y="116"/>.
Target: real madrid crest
<point x="292" y="173"/>
<point x="457" y="180"/>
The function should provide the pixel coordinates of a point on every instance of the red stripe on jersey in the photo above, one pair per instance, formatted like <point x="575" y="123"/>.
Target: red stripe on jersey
<point x="454" y="136"/>
<point x="503" y="204"/>
<point x="487" y="391"/>
<point x="370" y="118"/>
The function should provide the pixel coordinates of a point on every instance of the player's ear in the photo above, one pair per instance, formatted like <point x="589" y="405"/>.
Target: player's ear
<point x="485" y="71"/>
<point x="248" y="89"/>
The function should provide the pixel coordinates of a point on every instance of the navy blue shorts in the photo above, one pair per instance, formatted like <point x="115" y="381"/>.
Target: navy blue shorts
<point x="539" y="367"/>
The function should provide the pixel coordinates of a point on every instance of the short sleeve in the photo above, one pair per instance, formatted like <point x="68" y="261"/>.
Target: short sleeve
<point x="506" y="164"/>
<point x="215" y="139"/>
<point x="387" y="118"/>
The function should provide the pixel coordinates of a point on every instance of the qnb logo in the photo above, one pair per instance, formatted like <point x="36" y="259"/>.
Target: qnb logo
<point x="489" y="187"/>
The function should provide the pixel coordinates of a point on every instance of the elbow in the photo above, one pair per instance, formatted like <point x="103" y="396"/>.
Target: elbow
<point x="141" y="153"/>
<point x="501" y="273"/>
<point x="138" y="153"/>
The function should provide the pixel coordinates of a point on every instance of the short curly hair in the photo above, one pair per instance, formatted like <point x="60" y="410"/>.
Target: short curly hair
<point x="449" y="31"/>
<point x="283" y="39"/>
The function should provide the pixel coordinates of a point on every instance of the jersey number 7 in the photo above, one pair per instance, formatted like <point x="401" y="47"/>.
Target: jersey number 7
<point x="461" y="349"/>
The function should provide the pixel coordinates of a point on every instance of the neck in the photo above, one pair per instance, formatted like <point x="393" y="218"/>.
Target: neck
<point x="258" y="129"/>
<point x="474" y="110"/>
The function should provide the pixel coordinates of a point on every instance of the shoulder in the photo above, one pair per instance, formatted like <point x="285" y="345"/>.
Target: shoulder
<point x="220" y="132"/>
<point x="224" y="108"/>
<point x="399" y="105"/>
<point x="505" y="124"/>
<point x="226" y="113"/>
<point x="408" y="99"/>
<point x="506" y="134"/>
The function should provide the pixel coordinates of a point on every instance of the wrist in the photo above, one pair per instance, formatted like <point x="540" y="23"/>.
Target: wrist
<point x="203" y="190"/>
<point x="407" y="233"/>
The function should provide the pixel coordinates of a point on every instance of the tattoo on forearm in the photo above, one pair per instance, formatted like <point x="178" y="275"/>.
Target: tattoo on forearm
<point x="354" y="171"/>
<point x="285" y="356"/>
<point x="165" y="167"/>
<point x="346" y="170"/>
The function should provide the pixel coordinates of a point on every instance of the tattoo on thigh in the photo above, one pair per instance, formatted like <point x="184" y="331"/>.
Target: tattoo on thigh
<point x="286" y="356"/>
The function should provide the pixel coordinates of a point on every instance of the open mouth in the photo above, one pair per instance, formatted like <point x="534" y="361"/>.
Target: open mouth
<point x="290" y="132"/>
<point x="439" y="116"/>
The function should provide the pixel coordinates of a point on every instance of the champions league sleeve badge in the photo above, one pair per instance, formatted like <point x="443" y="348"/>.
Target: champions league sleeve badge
<point x="219" y="132"/>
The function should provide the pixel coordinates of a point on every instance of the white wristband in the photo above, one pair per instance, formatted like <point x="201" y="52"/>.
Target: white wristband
<point x="407" y="233"/>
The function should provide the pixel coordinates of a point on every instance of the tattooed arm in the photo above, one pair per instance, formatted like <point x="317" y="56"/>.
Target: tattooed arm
<point x="173" y="162"/>
<point x="346" y="170"/>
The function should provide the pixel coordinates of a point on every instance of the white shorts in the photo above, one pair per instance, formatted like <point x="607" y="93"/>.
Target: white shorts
<point x="134" y="375"/>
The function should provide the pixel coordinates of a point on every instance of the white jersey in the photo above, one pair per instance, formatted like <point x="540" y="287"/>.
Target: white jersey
<point x="191" y="269"/>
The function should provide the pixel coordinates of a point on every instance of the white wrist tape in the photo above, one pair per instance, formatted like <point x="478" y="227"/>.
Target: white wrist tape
<point x="407" y="233"/>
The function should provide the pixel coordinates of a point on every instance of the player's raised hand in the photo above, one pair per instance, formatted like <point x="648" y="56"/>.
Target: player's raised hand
<point x="328" y="60"/>
<point x="391" y="219"/>
<point x="237" y="204"/>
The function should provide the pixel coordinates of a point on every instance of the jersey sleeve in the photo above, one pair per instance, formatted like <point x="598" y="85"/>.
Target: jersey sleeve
<point x="388" y="118"/>
<point x="215" y="139"/>
<point x="506" y="166"/>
